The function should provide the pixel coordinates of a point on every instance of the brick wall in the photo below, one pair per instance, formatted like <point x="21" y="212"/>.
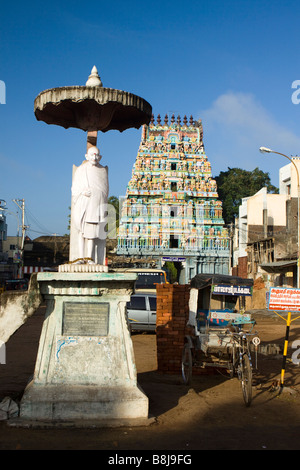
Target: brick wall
<point x="243" y="267"/>
<point x="172" y="313"/>
<point x="171" y="317"/>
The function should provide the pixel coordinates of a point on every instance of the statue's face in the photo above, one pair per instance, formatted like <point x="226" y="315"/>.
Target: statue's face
<point x="93" y="155"/>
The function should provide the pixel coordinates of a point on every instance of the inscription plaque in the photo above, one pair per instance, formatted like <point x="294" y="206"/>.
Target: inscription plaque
<point x="85" y="319"/>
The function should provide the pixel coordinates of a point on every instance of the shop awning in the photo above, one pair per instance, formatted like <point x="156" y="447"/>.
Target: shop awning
<point x="201" y="281"/>
<point x="278" y="266"/>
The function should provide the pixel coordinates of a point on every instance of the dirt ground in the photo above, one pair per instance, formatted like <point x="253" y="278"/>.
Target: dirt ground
<point x="208" y="415"/>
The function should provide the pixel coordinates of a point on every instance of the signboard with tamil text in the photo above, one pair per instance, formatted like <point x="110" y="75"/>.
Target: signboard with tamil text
<point x="220" y="289"/>
<point x="174" y="258"/>
<point x="284" y="298"/>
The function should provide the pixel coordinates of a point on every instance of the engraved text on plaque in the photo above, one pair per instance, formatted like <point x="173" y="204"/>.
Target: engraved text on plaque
<point x="85" y="319"/>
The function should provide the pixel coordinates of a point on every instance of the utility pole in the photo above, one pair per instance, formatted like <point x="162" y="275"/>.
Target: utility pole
<point x="55" y="248"/>
<point x="21" y="204"/>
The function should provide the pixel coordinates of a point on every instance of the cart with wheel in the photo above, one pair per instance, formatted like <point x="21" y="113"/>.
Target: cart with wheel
<point x="222" y="330"/>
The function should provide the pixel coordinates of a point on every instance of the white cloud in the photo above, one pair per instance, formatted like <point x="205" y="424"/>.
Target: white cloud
<point x="235" y="126"/>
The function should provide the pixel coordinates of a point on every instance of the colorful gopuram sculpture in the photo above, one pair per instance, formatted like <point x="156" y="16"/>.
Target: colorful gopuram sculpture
<point x="171" y="204"/>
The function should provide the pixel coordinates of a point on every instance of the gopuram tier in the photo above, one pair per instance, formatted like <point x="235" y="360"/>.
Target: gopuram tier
<point x="171" y="211"/>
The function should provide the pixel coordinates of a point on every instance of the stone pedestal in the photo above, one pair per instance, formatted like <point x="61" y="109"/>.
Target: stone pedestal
<point x="85" y="369"/>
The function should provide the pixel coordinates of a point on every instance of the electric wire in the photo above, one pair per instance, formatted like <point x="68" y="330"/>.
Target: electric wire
<point x="30" y="216"/>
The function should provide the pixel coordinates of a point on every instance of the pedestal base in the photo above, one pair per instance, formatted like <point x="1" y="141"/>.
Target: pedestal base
<point x="85" y="369"/>
<point x="66" y="405"/>
<point x="82" y="268"/>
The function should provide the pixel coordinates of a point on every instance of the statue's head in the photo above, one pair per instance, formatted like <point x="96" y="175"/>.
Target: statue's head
<point x="93" y="155"/>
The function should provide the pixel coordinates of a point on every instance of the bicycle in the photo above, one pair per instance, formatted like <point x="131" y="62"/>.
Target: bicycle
<point x="221" y="348"/>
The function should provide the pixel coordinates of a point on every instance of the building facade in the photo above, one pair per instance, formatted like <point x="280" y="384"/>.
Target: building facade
<point x="267" y="232"/>
<point x="171" y="211"/>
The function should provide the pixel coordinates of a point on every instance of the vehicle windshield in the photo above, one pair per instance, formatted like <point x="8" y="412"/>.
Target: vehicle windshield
<point x="148" y="280"/>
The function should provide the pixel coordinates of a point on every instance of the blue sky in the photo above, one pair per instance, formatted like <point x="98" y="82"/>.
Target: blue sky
<point x="229" y="63"/>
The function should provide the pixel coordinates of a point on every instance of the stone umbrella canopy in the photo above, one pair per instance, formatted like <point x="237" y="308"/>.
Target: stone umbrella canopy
<point x="92" y="108"/>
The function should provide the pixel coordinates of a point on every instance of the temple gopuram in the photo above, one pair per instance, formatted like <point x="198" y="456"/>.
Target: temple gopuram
<point x="171" y="211"/>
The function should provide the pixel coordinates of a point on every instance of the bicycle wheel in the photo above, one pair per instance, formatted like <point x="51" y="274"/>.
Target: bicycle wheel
<point x="186" y="364"/>
<point x="233" y="361"/>
<point x="246" y="379"/>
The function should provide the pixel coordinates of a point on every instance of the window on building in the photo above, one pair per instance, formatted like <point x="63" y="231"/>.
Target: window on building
<point x="173" y="242"/>
<point x="173" y="166"/>
<point x="173" y="187"/>
<point x="173" y="211"/>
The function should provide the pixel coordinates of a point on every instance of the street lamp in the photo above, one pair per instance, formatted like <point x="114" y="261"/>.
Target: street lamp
<point x="267" y="150"/>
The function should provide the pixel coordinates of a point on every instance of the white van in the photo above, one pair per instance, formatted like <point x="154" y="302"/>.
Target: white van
<point x="141" y="311"/>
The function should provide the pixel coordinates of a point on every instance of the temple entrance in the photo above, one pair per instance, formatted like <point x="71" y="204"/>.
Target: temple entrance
<point x="178" y="266"/>
<point x="174" y="270"/>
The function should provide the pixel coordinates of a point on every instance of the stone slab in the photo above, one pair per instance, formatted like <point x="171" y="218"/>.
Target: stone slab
<point x="59" y="402"/>
<point x="82" y="423"/>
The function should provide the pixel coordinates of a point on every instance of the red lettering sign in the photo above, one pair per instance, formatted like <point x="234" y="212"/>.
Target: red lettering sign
<point x="284" y="298"/>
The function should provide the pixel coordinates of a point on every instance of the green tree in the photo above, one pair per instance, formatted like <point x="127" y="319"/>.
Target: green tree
<point x="235" y="184"/>
<point x="114" y="201"/>
<point x="172" y="271"/>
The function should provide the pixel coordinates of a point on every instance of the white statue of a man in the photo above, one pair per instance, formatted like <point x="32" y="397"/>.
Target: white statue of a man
<point x="89" y="208"/>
